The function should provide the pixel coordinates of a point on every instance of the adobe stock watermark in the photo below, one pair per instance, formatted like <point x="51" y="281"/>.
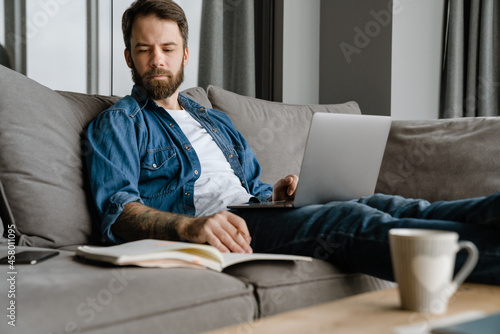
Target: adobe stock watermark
<point x="276" y="299"/>
<point x="38" y="20"/>
<point x="299" y="273"/>
<point x="96" y="303"/>
<point x="363" y="36"/>
<point x="420" y="322"/>
<point x="11" y="276"/>
<point x="268" y="131"/>
<point x="407" y="164"/>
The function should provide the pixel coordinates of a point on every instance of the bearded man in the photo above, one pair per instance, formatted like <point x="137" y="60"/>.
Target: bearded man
<point x="165" y="167"/>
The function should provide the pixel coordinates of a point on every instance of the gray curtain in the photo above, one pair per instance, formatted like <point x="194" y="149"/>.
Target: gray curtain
<point x="471" y="77"/>
<point x="227" y="46"/>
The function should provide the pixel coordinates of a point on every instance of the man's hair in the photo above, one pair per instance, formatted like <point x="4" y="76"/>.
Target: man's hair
<point x="162" y="9"/>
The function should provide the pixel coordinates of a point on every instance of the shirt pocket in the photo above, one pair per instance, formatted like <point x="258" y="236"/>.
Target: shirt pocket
<point x="160" y="170"/>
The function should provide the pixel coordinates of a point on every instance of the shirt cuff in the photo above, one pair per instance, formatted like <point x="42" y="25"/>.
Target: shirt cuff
<point x="116" y="205"/>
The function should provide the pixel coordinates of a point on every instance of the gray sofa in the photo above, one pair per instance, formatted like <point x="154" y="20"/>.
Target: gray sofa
<point x="44" y="179"/>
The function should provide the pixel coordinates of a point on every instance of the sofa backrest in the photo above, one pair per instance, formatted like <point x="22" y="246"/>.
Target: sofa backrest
<point x="276" y="132"/>
<point x="444" y="159"/>
<point x="40" y="160"/>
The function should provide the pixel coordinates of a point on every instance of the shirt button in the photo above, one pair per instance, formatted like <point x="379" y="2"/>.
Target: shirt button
<point x="196" y="172"/>
<point x="154" y="165"/>
<point x="187" y="148"/>
<point x="230" y="156"/>
<point x="171" y="125"/>
<point x="201" y="109"/>
<point x="242" y="182"/>
<point x="214" y="130"/>
<point x="187" y="194"/>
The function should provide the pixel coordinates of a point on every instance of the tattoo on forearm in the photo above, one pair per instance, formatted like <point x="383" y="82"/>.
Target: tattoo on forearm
<point x="142" y="222"/>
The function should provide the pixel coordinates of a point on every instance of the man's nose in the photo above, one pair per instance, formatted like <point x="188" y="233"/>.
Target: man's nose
<point x="157" y="58"/>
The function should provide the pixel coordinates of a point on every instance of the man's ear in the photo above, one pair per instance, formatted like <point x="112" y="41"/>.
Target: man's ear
<point x="128" y="58"/>
<point x="186" y="56"/>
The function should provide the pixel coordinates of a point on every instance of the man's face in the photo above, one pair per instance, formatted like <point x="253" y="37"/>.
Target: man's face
<point x="157" y="56"/>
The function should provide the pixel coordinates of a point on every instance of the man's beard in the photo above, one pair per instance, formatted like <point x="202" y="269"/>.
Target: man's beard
<point x="159" y="89"/>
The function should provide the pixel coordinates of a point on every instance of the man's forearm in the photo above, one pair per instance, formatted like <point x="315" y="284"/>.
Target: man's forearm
<point x="138" y="221"/>
<point x="223" y="230"/>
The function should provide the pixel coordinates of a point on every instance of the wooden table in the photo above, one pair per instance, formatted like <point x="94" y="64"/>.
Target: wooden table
<point x="373" y="312"/>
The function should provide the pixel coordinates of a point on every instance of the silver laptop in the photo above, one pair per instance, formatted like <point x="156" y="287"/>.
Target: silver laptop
<point x="341" y="161"/>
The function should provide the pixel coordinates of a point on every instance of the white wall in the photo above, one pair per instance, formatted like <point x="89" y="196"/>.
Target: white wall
<point x="2" y="24"/>
<point x="56" y="44"/>
<point x="104" y="46"/>
<point x="416" y="58"/>
<point x="301" y="51"/>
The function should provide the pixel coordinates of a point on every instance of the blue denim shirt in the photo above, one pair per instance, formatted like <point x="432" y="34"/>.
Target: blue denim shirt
<point x="137" y="152"/>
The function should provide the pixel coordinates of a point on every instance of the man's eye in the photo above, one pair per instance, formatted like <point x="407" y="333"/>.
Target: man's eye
<point x="167" y="50"/>
<point x="143" y="50"/>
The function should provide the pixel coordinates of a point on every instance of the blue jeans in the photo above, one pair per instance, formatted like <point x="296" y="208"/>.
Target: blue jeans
<point x="353" y="235"/>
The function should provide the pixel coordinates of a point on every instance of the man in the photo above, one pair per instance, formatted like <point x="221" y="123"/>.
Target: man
<point x="164" y="167"/>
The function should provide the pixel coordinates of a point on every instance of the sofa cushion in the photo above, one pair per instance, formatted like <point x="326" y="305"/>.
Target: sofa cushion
<point x="41" y="164"/>
<point x="64" y="295"/>
<point x="442" y="159"/>
<point x="40" y="160"/>
<point x="276" y="132"/>
<point x="282" y="286"/>
<point x="199" y="95"/>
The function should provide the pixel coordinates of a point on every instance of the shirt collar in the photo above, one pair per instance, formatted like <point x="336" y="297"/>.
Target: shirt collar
<point x="139" y="94"/>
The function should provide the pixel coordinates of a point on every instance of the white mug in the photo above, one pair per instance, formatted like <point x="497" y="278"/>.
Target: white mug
<point x="423" y="262"/>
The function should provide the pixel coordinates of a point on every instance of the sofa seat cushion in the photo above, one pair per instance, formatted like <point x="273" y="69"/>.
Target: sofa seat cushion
<point x="444" y="159"/>
<point x="64" y="295"/>
<point x="282" y="286"/>
<point x="276" y="132"/>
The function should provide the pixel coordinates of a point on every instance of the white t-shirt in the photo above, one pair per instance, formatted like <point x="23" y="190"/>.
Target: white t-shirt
<point x="218" y="186"/>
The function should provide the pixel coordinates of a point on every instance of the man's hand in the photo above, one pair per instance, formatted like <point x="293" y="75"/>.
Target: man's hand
<point x="224" y="230"/>
<point x="285" y="188"/>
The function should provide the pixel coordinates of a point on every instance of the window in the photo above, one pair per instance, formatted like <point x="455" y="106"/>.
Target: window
<point x="78" y="45"/>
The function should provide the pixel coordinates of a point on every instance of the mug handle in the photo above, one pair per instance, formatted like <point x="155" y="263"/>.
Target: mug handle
<point x="468" y="266"/>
